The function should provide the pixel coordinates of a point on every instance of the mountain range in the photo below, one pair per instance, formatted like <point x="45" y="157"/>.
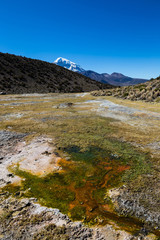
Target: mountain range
<point x="116" y="79"/>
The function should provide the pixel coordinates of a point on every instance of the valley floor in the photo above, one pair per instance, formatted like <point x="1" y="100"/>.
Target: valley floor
<point x="76" y="166"/>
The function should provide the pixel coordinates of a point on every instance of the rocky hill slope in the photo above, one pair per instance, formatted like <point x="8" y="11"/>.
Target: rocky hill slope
<point x="25" y="75"/>
<point x="149" y="91"/>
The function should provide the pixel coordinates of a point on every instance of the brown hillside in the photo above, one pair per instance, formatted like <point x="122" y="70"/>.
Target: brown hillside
<point x="149" y="91"/>
<point x="24" y="75"/>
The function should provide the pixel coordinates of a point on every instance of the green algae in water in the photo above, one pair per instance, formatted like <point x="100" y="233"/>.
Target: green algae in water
<point x="100" y="196"/>
<point x="49" y="190"/>
<point x="78" y="213"/>
<point x="80" y="189"/>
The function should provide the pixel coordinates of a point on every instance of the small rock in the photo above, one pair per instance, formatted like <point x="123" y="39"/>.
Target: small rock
<point x="10" y="175"/>
<point x="8" y="182"/>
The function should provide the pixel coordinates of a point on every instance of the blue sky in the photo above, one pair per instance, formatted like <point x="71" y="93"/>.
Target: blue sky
<point x="105" y="36"/>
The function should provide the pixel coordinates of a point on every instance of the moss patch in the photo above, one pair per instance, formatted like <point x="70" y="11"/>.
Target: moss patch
<point x="80" y="188"/>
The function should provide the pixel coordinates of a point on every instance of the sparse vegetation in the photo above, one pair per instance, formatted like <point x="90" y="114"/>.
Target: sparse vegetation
<point x="94" y="158"/>
<point x="25" y="75"/>
<point x="149" y="91"/>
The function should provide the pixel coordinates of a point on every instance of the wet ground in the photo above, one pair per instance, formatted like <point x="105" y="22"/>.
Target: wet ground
<point x="73" y="149"/>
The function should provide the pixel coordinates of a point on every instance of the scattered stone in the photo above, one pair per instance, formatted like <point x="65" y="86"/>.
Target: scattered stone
<point x="65" y="105"/>
<point x="10" y="175"/>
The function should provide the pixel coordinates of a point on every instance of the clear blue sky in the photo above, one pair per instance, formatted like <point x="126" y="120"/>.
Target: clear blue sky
<point x="102" y="35"/>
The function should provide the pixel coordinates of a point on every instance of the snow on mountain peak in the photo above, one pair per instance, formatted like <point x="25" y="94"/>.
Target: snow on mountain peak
<point x="68" y="64"/>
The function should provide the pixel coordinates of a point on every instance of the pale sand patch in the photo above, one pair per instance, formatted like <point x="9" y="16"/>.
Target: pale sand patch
<point x="109" y="233"/>
<point x="5" y="177"/>
<point x="38" y="157"/>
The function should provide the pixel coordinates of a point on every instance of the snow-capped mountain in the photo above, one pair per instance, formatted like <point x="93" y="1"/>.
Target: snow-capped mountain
<point x="68" y="64"/>
<point x="116" y="79"/>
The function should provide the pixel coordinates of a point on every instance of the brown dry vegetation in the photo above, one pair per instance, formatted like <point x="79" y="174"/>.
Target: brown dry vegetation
<point x="149" y="91"/>
<point x="24" y="75"/>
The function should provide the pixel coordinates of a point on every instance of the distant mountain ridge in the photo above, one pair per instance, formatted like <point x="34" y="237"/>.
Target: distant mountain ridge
<point x="116" y="79"/>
